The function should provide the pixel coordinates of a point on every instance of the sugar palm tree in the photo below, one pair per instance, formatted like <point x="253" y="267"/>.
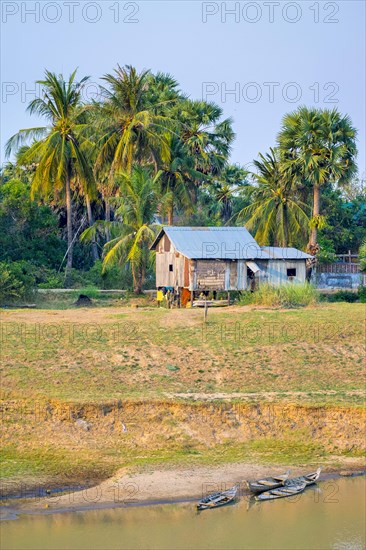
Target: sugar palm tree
<point x="276" y="214"/>
<point x="130" y="129"/>
<point x="207" y="137"/>
<point x="57" y="148"/>
<point x="318" y="146"/>
<point x="134" y="228"/>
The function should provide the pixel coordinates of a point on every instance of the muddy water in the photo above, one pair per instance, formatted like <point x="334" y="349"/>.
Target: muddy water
<point x="330" y="516"/>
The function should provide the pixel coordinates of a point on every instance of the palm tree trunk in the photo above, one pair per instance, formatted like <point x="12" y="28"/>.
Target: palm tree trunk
<point x="107" y="217"/>
<point x="285" y="227"/>
<point x="91" y="223"/>
<point x="171" y="212"/>
<point x="313" y="247"/>
<point x="69" y="224"/>
<point x="316" y="212"/>
<point x="137" y="284"/>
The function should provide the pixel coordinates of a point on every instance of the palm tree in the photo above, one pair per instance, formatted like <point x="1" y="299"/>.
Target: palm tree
<point x="134" y="228"/>
<point x="276" y="214"/>
<point x="177" y="178"/>
<point x="57" y="149"/>
<point x="228" y="187"/>
<point x="318" y="146"/>
<point x="207" y="137"/>
<point x="131" y="131"/>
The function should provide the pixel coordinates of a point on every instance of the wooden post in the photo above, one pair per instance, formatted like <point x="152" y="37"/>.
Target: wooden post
<point x="192" y="298"/>
<point x="228" y="298"/>
<point x="205" y="309"/>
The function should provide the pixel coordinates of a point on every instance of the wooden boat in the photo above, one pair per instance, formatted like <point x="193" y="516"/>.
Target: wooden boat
<point x="308" y="479"/>
<point x="281" y="492"/>
<point x="268" y="483"/>
<point x="218" y="499"/>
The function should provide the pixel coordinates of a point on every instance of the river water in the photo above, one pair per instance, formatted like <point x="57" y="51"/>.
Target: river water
<point x="329" y="516"/>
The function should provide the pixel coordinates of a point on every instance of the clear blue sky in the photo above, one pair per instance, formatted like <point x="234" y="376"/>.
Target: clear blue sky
<point x="284" y="54"/>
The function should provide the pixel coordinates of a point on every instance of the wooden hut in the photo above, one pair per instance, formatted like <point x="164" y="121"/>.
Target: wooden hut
<point x="201" y="259"/>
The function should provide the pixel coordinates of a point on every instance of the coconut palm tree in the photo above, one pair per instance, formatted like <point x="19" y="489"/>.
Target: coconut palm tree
<point x="130" y="130"/>
<point x="318" y="146"/>
<point x="276" y="214"/>
<point x="177" y="179"/>
<point x="134" y="228"/>
<point x="226" y="188"/>
<point x="57" y="148"/>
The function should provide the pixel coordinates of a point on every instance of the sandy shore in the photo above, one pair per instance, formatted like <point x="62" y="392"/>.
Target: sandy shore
<point x="161" y="486"/>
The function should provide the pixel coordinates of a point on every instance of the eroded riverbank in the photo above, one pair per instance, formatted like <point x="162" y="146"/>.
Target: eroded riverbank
<point x="163" y="443"/>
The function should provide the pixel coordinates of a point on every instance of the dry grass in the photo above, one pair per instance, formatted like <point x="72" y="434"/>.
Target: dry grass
<point x="308" y="356"/>
<point x="98" y="354"/>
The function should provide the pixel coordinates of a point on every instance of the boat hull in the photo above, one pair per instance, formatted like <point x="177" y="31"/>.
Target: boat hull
<point x="217" y="500"/>
<point x="282" y="492"/>
<point x="267" y="483"/>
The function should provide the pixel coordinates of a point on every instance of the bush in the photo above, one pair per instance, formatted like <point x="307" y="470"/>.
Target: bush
<point x="90" y="291"/>
<point x="362" y="257"/>
<point x="362" y="294"/>
<point x="49" y="278"/>
<point x="286" y="295"/>
<point x="11" y="287"/>
<point x="17" y="280"/>
<point x="343" y="296"/>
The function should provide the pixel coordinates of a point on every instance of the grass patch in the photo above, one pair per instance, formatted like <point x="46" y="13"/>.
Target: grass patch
<point x="285" y="296"/>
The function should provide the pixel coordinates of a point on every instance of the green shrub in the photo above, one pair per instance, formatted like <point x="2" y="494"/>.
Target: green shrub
<point x="50" y="278"/>
<point x="362" y="294"/>
<point x="18" y="281"/>
<point x="287" y="295"/>
<point x="362" y="257"/>
<point x="11" y="288"/>
<point x="90" y="291"/>
<point x="343" y="296"/>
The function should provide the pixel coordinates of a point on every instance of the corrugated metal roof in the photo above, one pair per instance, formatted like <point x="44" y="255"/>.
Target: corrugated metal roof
<point x="280" y="253"/>
<point x="230" y="243"/>
<point x="253" y="266"/>
<point x="223" y="243"/>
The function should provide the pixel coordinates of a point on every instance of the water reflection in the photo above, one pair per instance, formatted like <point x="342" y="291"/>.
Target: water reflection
<point x="331" y="516"/>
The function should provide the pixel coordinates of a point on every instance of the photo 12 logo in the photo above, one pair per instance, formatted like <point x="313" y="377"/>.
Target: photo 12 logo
<point x="70" y="12"/>
<point x="269" y="12"/>
<point x="270" y="92"/>
<point x="27" y="91"/>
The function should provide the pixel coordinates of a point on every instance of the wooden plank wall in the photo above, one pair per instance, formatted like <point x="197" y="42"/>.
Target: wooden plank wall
<point x="275" y="271"/>
<point x="210" y="275"/>
<point x="217" y="274"/>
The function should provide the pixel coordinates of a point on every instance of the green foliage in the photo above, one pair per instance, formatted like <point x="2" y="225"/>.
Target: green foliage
<point x="343" y="296"/>
<point x="362" y="256"/>
<point x="52" y="279"/>
<point x="327" y="253"/>
<point x="345" y="220"/>
<point x="287" y="295"/>
<point x="276" y="214"/>
<point x="116" y="277"/>
<point x="11" y="287"/>
<point x="318" y="147"/>
<point x="362" y="294"/>
<point x="134" y="229"/>
<point x="157" y="154"/>
<point x="57" y="150"/>
<point x="28" y="231"/>
<point x="17" y="280"/>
